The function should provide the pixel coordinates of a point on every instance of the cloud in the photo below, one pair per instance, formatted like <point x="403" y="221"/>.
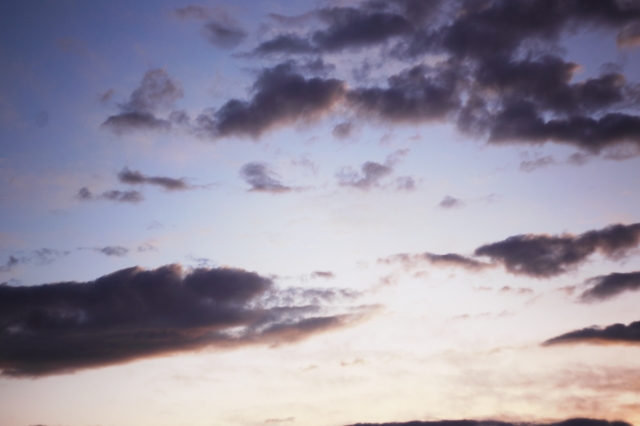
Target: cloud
<point x="498" y="73"/>
<point x="261" y="179"/>
<point x="371" y="173"/>
<point x="538" y="163"/>
<point x="134" y="177"/>
<point x="117" y="251"/>
<point x="11" y="263"/>
<point x="84" y="194"/>
<point x="616" y="333"/>
<point x="157" y="91"/>
<point x="323" y="274"/>
<point x="43" y="256"/>
<point x="605" y="287"/>
<point x="410" y="261"/>
<point x="417" y="94"/>
<point x="135" y="313"/>
<point x="281" y="95"/>
<point x="220" y="29"/>
<point x="449" y="202"/>
<point x="537" y="255"/>
<point x="569" y="422"/>
<point x="545" y="256"/>
<point x="370" y="24"/>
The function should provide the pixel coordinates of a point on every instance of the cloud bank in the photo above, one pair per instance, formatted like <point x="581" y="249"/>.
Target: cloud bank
<point x="135" y="313"/>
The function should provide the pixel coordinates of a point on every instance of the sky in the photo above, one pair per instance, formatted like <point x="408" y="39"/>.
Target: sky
<point x="320" y="213"/>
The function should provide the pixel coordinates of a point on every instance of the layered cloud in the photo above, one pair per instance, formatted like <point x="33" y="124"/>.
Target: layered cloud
<point x="135" y="313"/>
<point x="539" y="255"/>
<point x="613" y="334"/>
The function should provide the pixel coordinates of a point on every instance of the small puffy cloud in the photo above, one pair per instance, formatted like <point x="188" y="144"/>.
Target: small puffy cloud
<point x="371" y="174"/>
<point x="111" y="251"/>
<point x="449" y="202"/>
<point x="262" y="179"/>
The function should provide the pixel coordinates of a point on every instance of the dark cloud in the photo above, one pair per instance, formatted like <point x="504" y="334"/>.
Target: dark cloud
<point x="117" y="251"/>
<point x="84" y="194"/>
<point x="134" y="177"/>
<point x="281" y="95"/>
<point x="220" y="29"/>
<point x="605" y="287"/>
<point x="417" y="94"/>
<point x="500" y="76"/>
<point x="570" y="422"/>
<point x="616" y="333"/>
<point x="449" y="202"/>
<point x="261" y="178"/>
<point x="157" y="92"/>
<point x="371" y="173"/>
<point x="544" y="256"/>
<point x="537" y="255"/>
<point x="135" y="313"/>
<point x="369" y="24"/>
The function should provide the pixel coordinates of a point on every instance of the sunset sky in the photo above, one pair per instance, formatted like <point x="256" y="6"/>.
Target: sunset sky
<point x="319" y="213"/>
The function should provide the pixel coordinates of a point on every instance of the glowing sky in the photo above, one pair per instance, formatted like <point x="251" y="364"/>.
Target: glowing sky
<point x="319" y="212"/>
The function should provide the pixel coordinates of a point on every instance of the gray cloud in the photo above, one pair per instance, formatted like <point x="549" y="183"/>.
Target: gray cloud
<point x="371" y="173"/>
<point x="84" y="194"/>
<point x="261" y="178"/>
<point x="135" y="313"/>
<point x="281" y="95"/>
<point x="117" y="251"/>
<point x="605" y="287"/>
<point x="157" y="91"/>
<point x="538" y="163"/>
<point x="134" y="177"/>
<point x="449" y="202"/>
<point x="616" y="333"/>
